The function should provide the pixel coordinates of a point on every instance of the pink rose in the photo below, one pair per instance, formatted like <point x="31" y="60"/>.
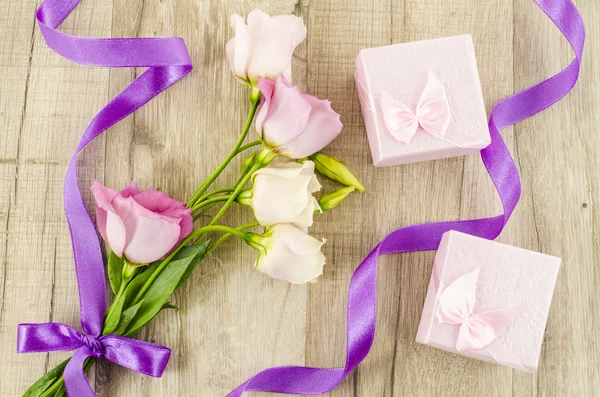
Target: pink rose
<point x="265" y="46"/>
<point x="295" y="124"/>
<point x="143" y="226"/>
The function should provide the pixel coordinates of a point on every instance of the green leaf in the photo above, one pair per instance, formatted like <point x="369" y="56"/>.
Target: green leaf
<point x="62" y="392"/>
<point x="126" y="318"/>
<point x="115" y="271"/>
<point x="113" y="316"/>
<point x="137" y="283"/>
<point x="164" y="285"/>
<point x="173" y="307"/>
<point x="46" y="381"/>
<point x="202" y="247"/>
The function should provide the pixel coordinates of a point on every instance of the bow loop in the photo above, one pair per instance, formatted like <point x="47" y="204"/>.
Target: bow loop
<point x="457" y="301"/>
<point x="433" y="110"/>
<point x="143" y="357"/>
<point x="456" y="305"/>
<point x="33" y="338"/>
<point x="432" y="115"/>
<point x="400" y="121"/>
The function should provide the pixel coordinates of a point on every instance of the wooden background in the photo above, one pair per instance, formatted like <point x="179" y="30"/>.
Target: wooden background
<point x="239" y="321"/>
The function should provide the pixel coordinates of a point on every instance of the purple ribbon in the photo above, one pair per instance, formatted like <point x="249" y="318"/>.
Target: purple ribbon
<point x="168" y="61"/>
<point x="362" y="297"/>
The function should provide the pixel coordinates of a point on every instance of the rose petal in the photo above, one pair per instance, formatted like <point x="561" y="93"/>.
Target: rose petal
<point x="288" y="115"/>
<point x="272" y="46"/>
<point x="277" y="199"/>
<point x="296" y="240"/>
<point x="296" y="26"/>
<point x="266" y="87"/>
<point x="323" y="126"/>
<point x="130" y="190"/>
<point x="160" y="203"/>
<point x="103" y="197"/>
<point x="149" y="238"/>
<point x="238" y="49"/>
<point x="116" y="235"/>
<point x="298" y="265"/>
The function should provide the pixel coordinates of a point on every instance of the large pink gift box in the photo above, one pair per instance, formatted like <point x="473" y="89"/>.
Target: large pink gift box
<point x="422" y="100"/>
<point x="488" y="301"/>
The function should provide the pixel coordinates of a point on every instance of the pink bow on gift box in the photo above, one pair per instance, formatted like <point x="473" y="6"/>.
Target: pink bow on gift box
<point x="456" y="304"/>
<point x="432" y="114"/>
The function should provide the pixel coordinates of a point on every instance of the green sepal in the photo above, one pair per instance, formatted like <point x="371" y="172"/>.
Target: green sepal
<point x="115" y="271"/>
<point x="46" y="381"/>
<point x="248" y="163"/>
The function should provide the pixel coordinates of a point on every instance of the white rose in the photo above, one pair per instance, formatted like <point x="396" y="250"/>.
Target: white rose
<point x="264" y="46"/>
<point x="288" y="253"/>
<point x="282" y="193"/>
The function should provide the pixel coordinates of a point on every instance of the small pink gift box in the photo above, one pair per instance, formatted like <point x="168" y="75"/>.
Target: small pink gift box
<point x="488" y="301"/>
<point x="422" y="100"/>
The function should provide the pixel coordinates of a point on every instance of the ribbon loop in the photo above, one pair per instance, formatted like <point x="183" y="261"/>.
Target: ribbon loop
<point x="48" y="337"/>
<point x="143" y="357"/>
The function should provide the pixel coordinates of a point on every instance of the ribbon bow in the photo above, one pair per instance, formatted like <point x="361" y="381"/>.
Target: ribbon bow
<point x="456" y="304"/>
<point x="432" y="115"/>
<point x="168" y="61"/>
<point x="143" y="357"/>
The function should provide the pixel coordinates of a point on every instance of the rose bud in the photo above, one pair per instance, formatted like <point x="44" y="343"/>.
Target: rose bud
<point x="143" y="226"/>
<point x="335" y="170"/>
<point x="333" y="199"/>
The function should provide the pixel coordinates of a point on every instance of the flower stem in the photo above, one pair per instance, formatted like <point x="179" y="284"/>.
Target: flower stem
<point x="208" y="201"/>
<point x="203" y="211"/>
<point x="263" y="158"/>
<point x="192" y="235"/>
<point x="254" y="102"/>
<point x="127" y="274"/>
<point x="226" y="236"/>
<point x="249" y="145"/>
<point x="214" y="192"/>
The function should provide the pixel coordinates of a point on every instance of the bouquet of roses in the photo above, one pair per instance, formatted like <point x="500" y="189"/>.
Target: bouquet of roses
<point x="154" y="247"/>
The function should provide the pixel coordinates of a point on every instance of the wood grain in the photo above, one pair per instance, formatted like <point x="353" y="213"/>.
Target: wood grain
<point x="239" y="321"/>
